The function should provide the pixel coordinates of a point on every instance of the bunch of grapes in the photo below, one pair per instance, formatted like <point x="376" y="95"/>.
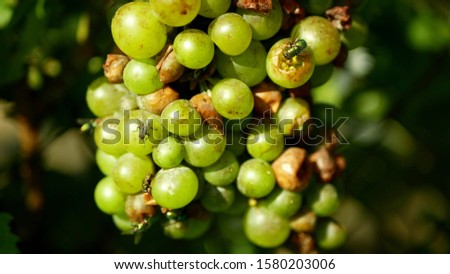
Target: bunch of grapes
<point x="203" y="121"/>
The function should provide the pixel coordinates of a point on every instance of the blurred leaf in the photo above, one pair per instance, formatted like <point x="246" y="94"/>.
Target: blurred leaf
<point x="8" y="241"/>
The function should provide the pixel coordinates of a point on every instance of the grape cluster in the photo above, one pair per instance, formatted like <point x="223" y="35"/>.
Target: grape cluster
<point x="194" y="115"/>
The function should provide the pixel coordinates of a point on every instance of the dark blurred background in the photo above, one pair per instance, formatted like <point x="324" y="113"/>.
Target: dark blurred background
<point x="395" y="89"/>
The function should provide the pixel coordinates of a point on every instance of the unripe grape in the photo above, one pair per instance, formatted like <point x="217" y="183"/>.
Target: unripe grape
<point x="134" y="28"/>
<point x="141" y="76"/>
<point x="130" y="172"/>
<point x="323" y="199"/>
<point x="265" y="228"/>
<point x="265" y="141"/>
<point x="214" y="8"/>
<point x="217" y="198"/>
<point x="174" y="187"/>
<point x="105" y="161"/>
<point x="205" y="148"/>
<point x="231" y="33"/>
<point x="108" y="197"/>
<point x="248" y="66"/>
<point x="232" y="98"/>
<point x="255" y="178"/>
<point x="264" y="24"/>
<point x="330" y="234"/>
<point x="224" y="171"/>
<point x="283" y="202"/>
<point x="175" y="13"/>
<point x="193" y="48"/>
<point x="181" y="118"/>
<point x="321" y="36"/>
<point x="291" y="116"/>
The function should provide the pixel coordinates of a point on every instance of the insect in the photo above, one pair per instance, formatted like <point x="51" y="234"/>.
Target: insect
<point x="146" y="183"/>
<point x="140" y="228"/>
<point x="87" y="125"/>
<point x="144" y="129"/>
<point x="294" y="48"/>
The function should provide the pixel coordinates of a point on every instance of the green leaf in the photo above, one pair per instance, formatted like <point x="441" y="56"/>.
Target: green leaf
<point x="8" y="241"/>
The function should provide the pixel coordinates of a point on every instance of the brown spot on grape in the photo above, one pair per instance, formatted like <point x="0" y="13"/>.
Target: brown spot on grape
<point x="184" y="8"/>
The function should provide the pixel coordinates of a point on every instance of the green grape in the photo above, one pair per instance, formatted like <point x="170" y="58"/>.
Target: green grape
<point x="205" y="148"/>
<point x="134" y="29"/>
<point x="217" y="198"/>
<point x="330" y="234"/>
<point x="232" y="98"/>
<point x="105" y="161"/>
<point x="321" y="75"/>
<point x="224" y="171"/>
<point x="180" y="118"/>
<point x="169" y="153"/>
<point x="141" y="76"/>
<point x="107" y="136"/>
<point x="214" y="8"/>
<point x="255" y="178"/>
<point x="175" y="13"/>
<point x="238" y="125"/>
<point x="231" y="227"/>
<point x="283" y="202"/>
<point x="175" y="229"/>
<point x="265" y="142"/>
<point x="356" y="36"/>
<point x="193" y="49"/>
<point x="122" y="222"/>
<point x="287" y="69"/>
<point x="235" y="142"/>
<point x="264" y="24"/>
<point x="249" y="66"/>
<point x="197" y="227"/>
<point x="291" y="116"/>
<point x="141" y="131"/>
<point x="130" y="172"/>
<point x="265" y="228"/>
<point x="108" y="197"/>
<point x="321" y="36"/>
<point x="318" y="6"/>
<point x="231" y="33"/>
<point x="323" y="199"/>
<point x="190" y="229"/>
<point x="174" y="187"/>
<point x="239" y="205"/>
<point x="201" y="181"/>
<point x="104" y="98"/>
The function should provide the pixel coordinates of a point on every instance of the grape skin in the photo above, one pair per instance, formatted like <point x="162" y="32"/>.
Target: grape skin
<point x="231" y="33"/>
<point x="232" y="98"/>
<point x="133" y="29"/>
<point x="175" y="187"/>
<point x="193" y="49"/>
<point x="321" y="36"/>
